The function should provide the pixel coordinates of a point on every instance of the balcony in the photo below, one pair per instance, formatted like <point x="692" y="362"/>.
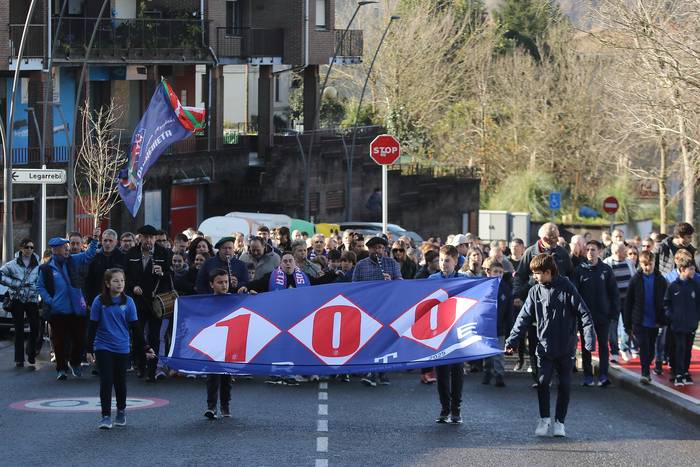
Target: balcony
<point x="248" y="44"/>
<point x="34" y="48"/>
<point x="350" y="48"/>
<point x="135" y="40"/>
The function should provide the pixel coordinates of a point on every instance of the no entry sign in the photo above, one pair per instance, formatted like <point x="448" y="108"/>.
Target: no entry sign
<point x="610" y="205"/>
<point x="385" y="149"/>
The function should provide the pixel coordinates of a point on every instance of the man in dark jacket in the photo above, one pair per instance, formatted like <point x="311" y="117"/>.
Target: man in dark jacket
<point x="148" y="272"/>
<point x="596" y="284"/>
<point x="224" y="259"/>
<point x="644" y="312"/>
<point x="556" y="306"/>
<point x="108" y="257"/>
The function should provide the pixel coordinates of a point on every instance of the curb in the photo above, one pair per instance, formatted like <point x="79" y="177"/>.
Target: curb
<point x="658" y="394"/>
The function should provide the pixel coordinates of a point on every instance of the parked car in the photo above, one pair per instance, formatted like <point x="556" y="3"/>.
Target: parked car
<point x="374" y="228"/>
<point x="5" y="316"/>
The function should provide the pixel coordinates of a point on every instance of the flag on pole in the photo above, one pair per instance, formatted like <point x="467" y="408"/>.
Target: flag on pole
<point x="165" y="122"/>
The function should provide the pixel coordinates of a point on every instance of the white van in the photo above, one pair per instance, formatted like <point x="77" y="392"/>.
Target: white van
<point x="223" y="226"/>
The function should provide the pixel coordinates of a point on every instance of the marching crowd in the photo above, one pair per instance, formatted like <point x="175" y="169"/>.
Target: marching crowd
<point x="107" y="299"/>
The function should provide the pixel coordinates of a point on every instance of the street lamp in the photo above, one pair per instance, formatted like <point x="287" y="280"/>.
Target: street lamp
<point x="8" y="237"/>
<point x="357" y="117"/>
<point x="317" y="111"/>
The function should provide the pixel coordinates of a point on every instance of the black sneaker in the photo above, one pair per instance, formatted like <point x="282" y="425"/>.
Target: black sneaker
<point x="290" y="381"/>
<point x="344" y="378"/>
<point x="456" y="418"/>
<point x="499" y="382"/>
<point x="383" y="380"/>
<point x="210" y="413"/>
<point x="19" y="364"/>
<point x="274" y="380"/>
<point x="444" y="417"/>
<point x="678" y="381"/>
<point x="687" y="379"/>
<point x="659" y="368"/>
<point x="369" y="380"/>
<point x="225" y="411"/>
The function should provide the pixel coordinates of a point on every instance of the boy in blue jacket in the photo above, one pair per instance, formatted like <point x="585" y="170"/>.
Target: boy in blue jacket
<point x="682" y="305"/>
<point x="556" y="306"/>
<point x="493" y="366"/>
<point x="596" y="284"/>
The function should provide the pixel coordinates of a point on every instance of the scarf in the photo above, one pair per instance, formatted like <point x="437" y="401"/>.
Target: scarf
<point x="278" y="279"/>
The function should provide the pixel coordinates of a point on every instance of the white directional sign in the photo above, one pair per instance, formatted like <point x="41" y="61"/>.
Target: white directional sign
<point x="38" y="176"/>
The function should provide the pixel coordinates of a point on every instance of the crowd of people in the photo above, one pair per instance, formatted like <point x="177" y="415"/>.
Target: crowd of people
<point x="94" y="297"/>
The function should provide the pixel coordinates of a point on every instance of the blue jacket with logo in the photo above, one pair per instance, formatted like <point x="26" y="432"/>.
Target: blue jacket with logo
<point x="682" y="305"/>
<point x="597" y="287"/>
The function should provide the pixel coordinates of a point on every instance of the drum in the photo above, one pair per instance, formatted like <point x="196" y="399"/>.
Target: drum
<point x="164" y="304"/>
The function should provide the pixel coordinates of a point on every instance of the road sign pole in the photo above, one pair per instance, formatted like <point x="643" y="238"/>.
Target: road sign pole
<point x="385" y="198"/>
<point x="43" y="216"/>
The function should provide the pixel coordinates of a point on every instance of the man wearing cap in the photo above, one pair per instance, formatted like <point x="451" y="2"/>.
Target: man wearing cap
<point x="461" y="242"/>
<point x="148" y="273"/>
<point x="376" y="267"/>
<point x="63" y="301"/>
<point x="224" y="259"/>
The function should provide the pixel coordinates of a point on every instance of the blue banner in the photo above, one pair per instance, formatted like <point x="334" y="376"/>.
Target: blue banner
<point x="337" y="328"/>
<point x="159" y="128"/>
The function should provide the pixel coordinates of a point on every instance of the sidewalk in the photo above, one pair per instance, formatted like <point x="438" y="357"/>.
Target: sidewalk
<point x="684" y="400"/>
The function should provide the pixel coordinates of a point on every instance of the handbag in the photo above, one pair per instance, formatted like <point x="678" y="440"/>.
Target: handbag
<point x="163" y="304"/>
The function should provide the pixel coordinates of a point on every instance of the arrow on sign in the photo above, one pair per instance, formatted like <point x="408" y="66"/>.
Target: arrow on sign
<point x="14" y="176"/>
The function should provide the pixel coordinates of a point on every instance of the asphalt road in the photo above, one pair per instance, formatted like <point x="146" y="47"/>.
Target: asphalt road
<point x="393" y="425"/>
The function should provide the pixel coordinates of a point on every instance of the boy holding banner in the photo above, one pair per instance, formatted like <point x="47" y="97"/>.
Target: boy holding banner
<point x="555" y="304"/>
<point x="449" y="377"/>
<point x="218" y="384"/>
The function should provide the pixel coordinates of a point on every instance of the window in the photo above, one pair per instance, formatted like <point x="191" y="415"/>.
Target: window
<point x="321" y="14"/>
<point x="23" y="211"/>
<point x="56" y="209"/>
<point x="277" y="88"/>
<point x="233" y="18"/>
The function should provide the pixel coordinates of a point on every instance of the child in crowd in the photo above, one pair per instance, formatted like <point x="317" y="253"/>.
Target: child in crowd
<point x="111" y="315"/>
<point x="449" y="377"/>
<point x="556" y="306"/>
<point x="644" y="311"/>
<point x="493" y="366"/>
<point x="682" y="305"/>
<point x="218" y="384"/>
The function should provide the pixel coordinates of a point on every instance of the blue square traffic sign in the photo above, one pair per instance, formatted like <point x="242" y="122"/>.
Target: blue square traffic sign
<point x="555" y="201"/>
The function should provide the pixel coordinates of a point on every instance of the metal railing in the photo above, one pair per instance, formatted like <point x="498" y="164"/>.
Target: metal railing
<point x="54" y="155"/>
<point x="352" y="45"/>
<point x="249" y="42"/>
<point x="125" y="38"/>
<point x="34" y="47"/>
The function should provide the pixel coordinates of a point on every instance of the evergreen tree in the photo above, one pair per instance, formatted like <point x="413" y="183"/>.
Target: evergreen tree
<point x="525" y="23"/>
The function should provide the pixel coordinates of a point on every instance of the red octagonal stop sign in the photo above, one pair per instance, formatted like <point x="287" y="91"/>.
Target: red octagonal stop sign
<point x="385" y="149"/>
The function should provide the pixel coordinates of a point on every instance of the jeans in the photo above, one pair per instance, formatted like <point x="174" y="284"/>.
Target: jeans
<point x="164" y="338"/>
<point x="494" y="365"/>
<point x="661" y="352"/>
<point x="613" y="338"/>
<point x="601" y="331"/>
<point x="646" y="337"/>
<point x="31" y="310"/>
<point x="563" y="365"/>
<point x="218" y="385"/>
<point x="67" y="330"/>
<point x="449" y="386"/>
<point x="684" y="346"/>
<point x="112" y="368"/>
<point x="151" y="328"/>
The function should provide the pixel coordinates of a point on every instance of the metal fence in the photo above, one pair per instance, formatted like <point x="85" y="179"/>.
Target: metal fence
<point x="249" y="42"/>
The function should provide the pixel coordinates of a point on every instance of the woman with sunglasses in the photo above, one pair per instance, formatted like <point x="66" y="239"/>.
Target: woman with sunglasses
<point x="21" y="276"/>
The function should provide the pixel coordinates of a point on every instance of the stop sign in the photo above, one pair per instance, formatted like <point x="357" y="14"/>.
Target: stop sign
<point x="385" y="149"/>
<point x="610" y="205"/>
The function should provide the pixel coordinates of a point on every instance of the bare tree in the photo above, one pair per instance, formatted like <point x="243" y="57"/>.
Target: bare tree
<point x="98" y="161"/>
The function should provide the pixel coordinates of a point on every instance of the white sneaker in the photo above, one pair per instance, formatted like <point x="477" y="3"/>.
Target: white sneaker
<point x="625" y="355"/>
<point x="543" y="427"/>
<point x="558" y="430"/>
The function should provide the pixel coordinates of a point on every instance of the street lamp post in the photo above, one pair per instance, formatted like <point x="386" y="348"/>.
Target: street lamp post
<point x="317" y="110"/>
<point x="357" y="117"/>
<point x="8" y="237"/>
<point x="70" y="222"/>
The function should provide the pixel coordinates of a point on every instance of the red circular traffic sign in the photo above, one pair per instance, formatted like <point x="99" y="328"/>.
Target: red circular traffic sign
<point x="385" y="149"/>
<point x="610" y="205"/>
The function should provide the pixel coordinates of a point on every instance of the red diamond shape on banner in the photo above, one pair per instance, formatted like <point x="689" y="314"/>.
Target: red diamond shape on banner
<point x="429" y="321"/>
<point x="336" y="331"/>
<point x="238" y="338"/>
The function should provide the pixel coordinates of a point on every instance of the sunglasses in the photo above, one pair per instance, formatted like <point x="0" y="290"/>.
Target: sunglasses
<point x="28" y="247"/>
<point x="398" y="250"/>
